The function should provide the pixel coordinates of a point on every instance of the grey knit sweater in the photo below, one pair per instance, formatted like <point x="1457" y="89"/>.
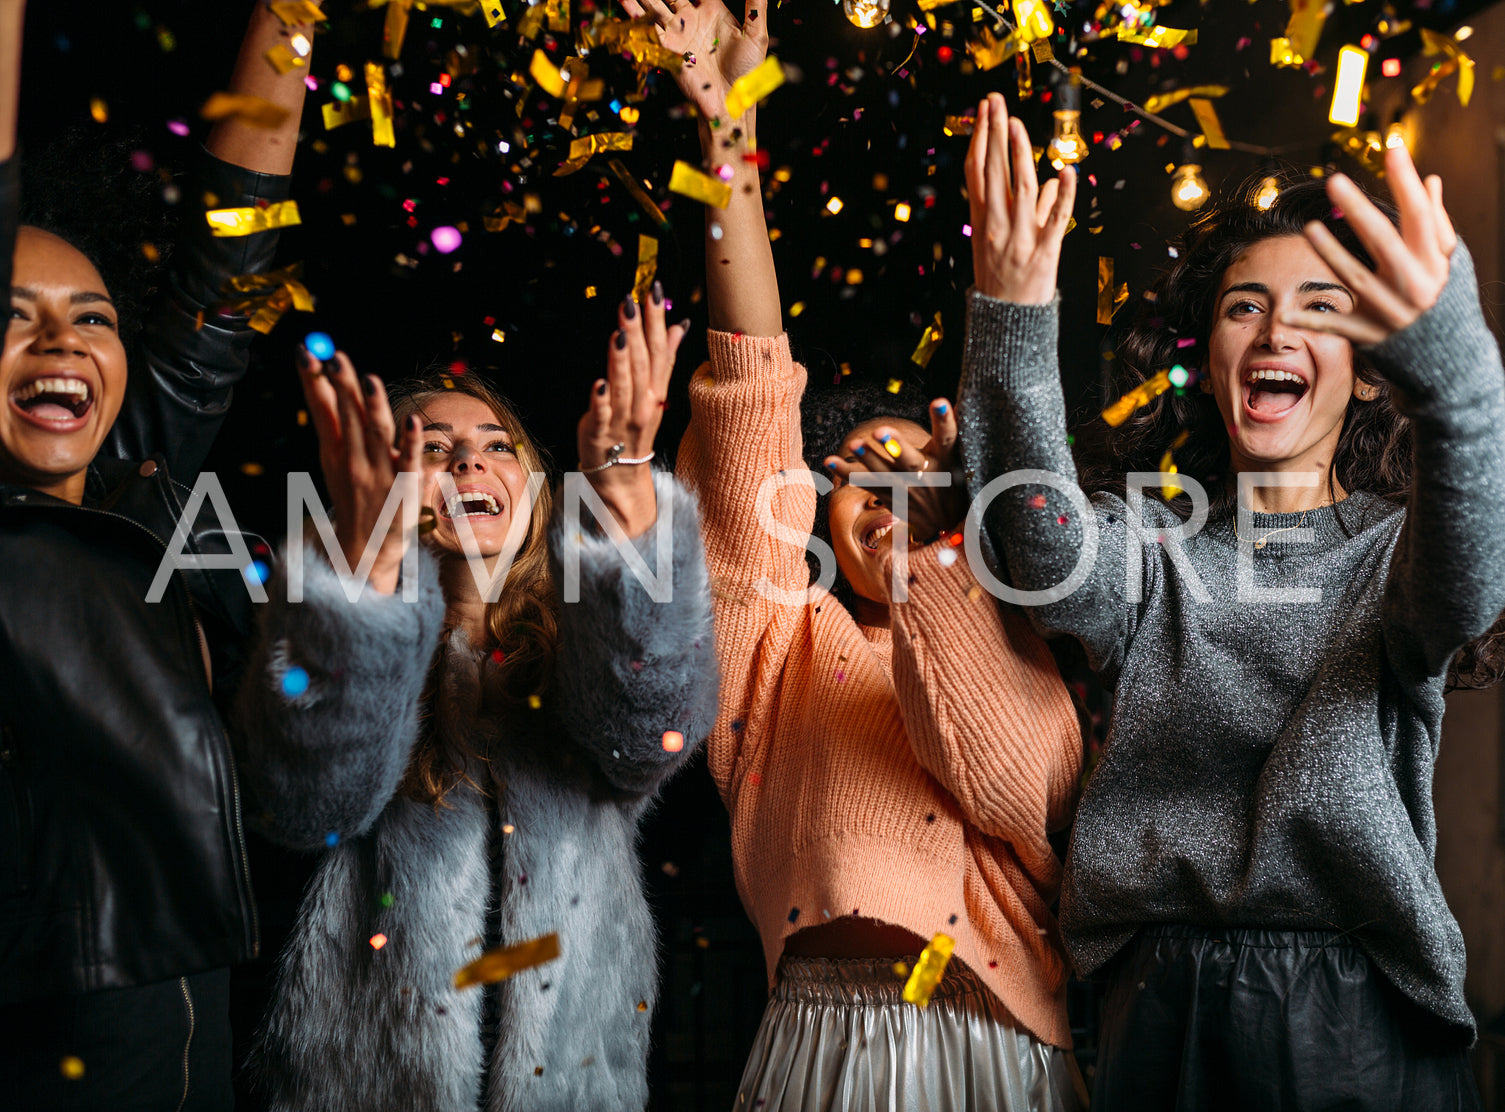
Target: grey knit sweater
<point x="1269" y="762"/>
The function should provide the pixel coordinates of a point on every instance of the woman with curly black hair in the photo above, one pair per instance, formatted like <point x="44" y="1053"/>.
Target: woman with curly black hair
<point x="124" y="895"/>
<point x="1252" y="862"/>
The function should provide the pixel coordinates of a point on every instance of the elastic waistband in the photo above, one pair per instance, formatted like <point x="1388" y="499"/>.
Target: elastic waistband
<point x="1256" y="938"/>
<point x="864" y="981"/>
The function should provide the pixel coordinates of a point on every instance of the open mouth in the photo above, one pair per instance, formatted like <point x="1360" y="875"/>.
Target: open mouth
<point x="54" y="399"/>
<point x="472" y="503"/>
<point x="1271" y="394"/>
<point x="879" y="529"/>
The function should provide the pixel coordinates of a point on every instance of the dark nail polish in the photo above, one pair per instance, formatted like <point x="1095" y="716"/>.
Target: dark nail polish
<point x="621" y="338"/>
<point x="658" y="293"/>
<point x="601" y="386"/>
<point x="413" y="422"/>
<point x="629" y="308"/>
<point x="368" y="384"/>
<point x="685" y="324"/>
<point x="942" y="408"/>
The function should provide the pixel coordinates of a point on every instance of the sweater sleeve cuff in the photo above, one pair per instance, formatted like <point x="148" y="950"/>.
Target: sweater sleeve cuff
<point x="1007" y="344"/>
<point x="736" y="358"/>
<point x="1446" y="358"/>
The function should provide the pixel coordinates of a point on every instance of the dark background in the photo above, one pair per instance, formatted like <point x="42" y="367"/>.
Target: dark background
<point x="862" y="121"/>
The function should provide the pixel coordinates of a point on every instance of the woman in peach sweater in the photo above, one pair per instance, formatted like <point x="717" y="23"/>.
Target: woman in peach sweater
<point x="891" y="773"/>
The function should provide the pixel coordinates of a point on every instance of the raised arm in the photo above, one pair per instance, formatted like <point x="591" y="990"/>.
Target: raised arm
<point x="1419" y="313"/>
<point x="1012" y="411"/>
<point x="327" y="713"/>
<point x="178" y="395"/>
<point x="635" y="678"/>
<point x="741" y="285"/>
<point x="12" y="19"/>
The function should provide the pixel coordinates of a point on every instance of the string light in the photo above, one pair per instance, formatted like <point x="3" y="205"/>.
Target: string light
<point x="865" y="13"/>
<point x="1188" y="187"/>
<point x="1267" y="194"/>
<point x="1067" y="144"/>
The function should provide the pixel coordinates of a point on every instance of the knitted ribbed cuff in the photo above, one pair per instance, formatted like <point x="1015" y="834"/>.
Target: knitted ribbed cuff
<point x="736" y="357"/>
<point x="1010" y="345"/>
<point x="1447" y="358"/>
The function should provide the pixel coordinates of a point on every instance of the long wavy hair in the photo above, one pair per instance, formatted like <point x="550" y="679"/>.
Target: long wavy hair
<point x="1374" y="451"/>
<point x="522" y="624"/>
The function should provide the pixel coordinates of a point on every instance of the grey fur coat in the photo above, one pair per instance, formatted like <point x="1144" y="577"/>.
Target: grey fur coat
<point x="360" y="1028"/>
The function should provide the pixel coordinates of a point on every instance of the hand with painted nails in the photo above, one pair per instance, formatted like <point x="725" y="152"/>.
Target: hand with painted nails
<point x="364" y="461"/>
<point x="615" y="437"/>
<point x="883" y="450"/>
<point x="716" y="48"/>
<point x="1411" y="262"/>
<point x="1017" y="225"/>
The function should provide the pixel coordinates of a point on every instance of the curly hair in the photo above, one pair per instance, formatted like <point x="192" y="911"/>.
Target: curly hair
<point x="1374" y="450"/>
<point x="827" y="415"/>
<point x="523" y="622"/>
<point x="105" y="196"/>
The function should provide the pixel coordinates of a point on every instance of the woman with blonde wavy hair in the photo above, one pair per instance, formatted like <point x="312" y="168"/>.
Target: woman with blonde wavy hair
<point x="474" y="771"/>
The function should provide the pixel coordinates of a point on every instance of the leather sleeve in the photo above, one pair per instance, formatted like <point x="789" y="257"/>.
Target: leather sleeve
<point x="181" y="386"/>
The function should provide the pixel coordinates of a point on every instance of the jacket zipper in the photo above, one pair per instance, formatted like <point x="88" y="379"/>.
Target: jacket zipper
<point x="187" y="1043"/>
<point x="247" y="901"/>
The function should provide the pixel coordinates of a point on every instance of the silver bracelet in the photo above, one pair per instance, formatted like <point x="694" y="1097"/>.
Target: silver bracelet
<point x="613" y="457"/>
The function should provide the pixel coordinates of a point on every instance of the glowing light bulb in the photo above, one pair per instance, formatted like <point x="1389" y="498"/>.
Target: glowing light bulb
<point x="1067" y="143"/>
<point x="865" y="13"/>
<point x="1266" y="194"/>
<point x="1188" y="188"/>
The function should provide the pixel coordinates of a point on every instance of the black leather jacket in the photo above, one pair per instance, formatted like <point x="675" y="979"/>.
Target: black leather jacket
<point x="122" y="857"/>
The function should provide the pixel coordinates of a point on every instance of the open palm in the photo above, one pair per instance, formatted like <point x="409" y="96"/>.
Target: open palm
<point x="717" y="48"/>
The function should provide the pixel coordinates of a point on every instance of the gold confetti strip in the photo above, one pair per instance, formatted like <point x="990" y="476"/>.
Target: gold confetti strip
<point x="647" y="267"/>
<point x="229" y="222"/>
<point x="927" y="972"/>
<point x="1305" y="27"/>
<point x="587" y="146"/>
<point x="989" y="51"/>
<point x="1042" y="51"/>
<point x="1457" y="62"/>
<point x="547" y="74"/>
<point x="338" y="113"/>
<point x="1104" y="289"/>
<point x="380" y="100"/>
<point x="1207" y="120"/>
<point x="293" y="12"/>
<point x="493" y="12"/>
<point x="1168" y="464"/>
<point x="558" y="14"/>
<point x="1142" y="395"/>
<point x="705" y="188"/>
<point x="639" y="194"/>
<point x="930" y="339"/>
<point x="752" y="87"/>
<point x="1157" y="38"/>
<point x="267" y="297"/>
<point x="959" y="125"/>
<point x="255" y="111"/>
<point x="511" y="212"/>
<point x="395" y="27"/>
<point x="282" y="59"/>
<point x="1161" y="101"/>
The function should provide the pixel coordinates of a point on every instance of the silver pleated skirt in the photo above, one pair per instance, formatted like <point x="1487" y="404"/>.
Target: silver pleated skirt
<point x="837" y="1036"/>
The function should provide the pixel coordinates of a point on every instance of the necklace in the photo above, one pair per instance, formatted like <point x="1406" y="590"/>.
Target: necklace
<point x="1301" y="523"/>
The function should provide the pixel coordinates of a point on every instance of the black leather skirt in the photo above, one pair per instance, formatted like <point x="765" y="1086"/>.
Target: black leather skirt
<point x="1268" y="1020"/>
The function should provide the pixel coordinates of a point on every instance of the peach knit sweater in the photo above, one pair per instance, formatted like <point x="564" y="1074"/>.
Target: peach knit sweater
<point x="910" y="777"/>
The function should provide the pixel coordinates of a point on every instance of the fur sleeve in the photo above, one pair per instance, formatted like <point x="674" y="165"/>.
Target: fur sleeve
<point x="630" y="668"/>
<point x="328" y="711"/>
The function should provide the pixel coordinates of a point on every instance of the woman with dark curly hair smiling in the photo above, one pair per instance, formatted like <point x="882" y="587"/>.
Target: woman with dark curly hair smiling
<point x="1252" y="862"/>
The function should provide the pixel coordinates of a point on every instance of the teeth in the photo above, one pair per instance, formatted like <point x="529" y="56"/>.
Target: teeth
<point x="455" y="507"/>
<point x="878" y="534"/>
<point x="74" y="386"/>
<point x="1274" y="376"/>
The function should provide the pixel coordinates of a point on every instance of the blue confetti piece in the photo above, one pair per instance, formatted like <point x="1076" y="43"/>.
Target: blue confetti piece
<point x="294" y="682"/>
<point x="332" y="839"/>
<point x="256" y="571"/>
<point x="320" y="345"/>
